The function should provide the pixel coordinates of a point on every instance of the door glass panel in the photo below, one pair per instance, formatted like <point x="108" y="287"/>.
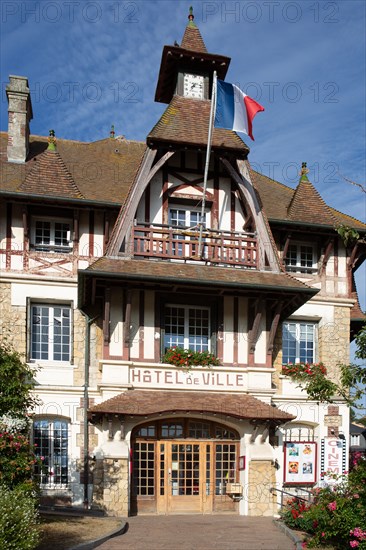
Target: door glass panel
<point x="162" y="467"/>
<point x="185" y="470"/>
<point x="208" y="469"/>
<point x="144" y="469"/>
<point x="225" y="471"/>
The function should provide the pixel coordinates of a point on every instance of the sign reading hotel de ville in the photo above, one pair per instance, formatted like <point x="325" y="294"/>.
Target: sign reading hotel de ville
<point x="178" y="378"/>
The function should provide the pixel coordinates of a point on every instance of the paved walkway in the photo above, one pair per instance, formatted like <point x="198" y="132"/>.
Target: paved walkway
<point x="200" y="533"/>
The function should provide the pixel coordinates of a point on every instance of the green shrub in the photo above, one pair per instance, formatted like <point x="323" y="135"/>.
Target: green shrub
<point x="18" y="520"/>
<point x="337" y="515"/>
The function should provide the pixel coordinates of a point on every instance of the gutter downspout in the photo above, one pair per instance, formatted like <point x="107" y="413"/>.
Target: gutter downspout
<point x="88" y="322"/>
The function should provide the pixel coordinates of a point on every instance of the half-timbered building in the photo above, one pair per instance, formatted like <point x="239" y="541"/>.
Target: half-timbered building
<point x="108" y="260"/>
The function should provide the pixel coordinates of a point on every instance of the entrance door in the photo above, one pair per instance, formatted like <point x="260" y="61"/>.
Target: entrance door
<point x="184" y="477"/>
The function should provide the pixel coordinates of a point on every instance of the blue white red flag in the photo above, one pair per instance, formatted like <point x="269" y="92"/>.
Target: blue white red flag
<point x="234" y="109"/>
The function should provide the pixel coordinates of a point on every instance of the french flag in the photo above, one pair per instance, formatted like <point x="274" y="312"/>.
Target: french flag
<point x="234" y="109"/>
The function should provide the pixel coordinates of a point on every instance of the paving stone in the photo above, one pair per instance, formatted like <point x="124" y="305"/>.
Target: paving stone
<point x="194" y="532"/>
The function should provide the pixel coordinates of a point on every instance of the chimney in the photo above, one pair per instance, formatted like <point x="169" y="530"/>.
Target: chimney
<point x="20" y="114"/>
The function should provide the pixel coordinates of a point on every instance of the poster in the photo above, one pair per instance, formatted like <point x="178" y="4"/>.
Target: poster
<point x="300" y="462"/>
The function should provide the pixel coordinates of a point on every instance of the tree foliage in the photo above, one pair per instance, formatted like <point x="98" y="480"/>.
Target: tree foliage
<point x="16" y="384"/>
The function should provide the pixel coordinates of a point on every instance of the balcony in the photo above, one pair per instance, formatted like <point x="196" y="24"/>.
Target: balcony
<point x="180" y="243"/>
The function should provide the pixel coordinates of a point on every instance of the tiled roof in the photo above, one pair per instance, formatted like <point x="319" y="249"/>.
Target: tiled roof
<point x="192" y="39"/>
<point x="100" y="171"/>
<point x="185" y="122"/>
<point x="49" y="176"/>
<point x="309" y="207"/>
<point x="142" y="403"/>
<point x="356" y="311"/>
<point x="277" y="198"/>
<point x="200" y="275"/>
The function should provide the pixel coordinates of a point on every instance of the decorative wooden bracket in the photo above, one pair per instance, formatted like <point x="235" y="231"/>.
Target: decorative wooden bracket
<point x="110" y="428"/>
<point x="273" y="330"/>
<point x="328" y="249"/>
<point x="122" y="425"/>
<point x="254" y="331"/>
<point x="127" y="325"/>
<point x="285" y="248"/>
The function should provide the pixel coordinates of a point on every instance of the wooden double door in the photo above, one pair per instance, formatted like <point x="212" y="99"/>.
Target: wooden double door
<point x="183" y="476"/>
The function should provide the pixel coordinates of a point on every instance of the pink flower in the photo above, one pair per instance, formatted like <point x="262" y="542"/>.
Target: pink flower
<point x="332" y="506"/>
<point x="356" y="495"/>
<point x="354" y="543"/>
<point x="323" y="534"/>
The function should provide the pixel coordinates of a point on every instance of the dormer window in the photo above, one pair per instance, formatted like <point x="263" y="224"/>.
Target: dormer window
<point x="51" y="235"/>
<point x="301" y="258"/>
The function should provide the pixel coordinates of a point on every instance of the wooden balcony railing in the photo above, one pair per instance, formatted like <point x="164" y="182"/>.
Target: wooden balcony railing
<point x="179" y="243"/>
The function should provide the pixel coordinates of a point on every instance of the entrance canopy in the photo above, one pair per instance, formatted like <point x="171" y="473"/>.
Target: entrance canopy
<point x="144" y="403"/>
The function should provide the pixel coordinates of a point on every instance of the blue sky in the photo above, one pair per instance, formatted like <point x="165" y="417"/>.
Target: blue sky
<point x="91" y="64"/>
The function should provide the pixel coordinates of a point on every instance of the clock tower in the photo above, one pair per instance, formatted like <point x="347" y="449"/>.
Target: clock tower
<point x="187" y="70"/>
<point x="185" y="84"/>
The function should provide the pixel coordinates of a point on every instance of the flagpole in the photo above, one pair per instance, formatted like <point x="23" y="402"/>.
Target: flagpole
<point x="208" y="154"/>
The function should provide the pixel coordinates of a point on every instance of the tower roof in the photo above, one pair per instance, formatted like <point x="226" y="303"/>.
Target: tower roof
<point x="192" y="39"/>
<point x="185" y="122"/>
<point x="190" y="56"/>
<point x="307" y="205"/>
<point x="50" y="175"/>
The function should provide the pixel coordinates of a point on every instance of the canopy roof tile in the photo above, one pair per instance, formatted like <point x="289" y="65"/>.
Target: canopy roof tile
<point x="237" y="405"/>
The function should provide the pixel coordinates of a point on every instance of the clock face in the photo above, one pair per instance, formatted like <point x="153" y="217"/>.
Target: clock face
<point x="193" y="86"/>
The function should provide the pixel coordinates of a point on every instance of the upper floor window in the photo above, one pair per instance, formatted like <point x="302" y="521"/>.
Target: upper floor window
<point x="187" y="327"/>
<point x="51" y="437"/>
<point x="50" y="327"/>
<point x="51" y="235"/>
<point x="298" y="342"/>
<point x="301" y="258"/>
<point x="355" y="440"/>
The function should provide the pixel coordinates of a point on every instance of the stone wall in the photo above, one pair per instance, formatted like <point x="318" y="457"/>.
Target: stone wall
<point x="334" y="342"/>
<point x="261" y="478"/>
<point x="110" y="485"/>
<point x="12" y="320"/>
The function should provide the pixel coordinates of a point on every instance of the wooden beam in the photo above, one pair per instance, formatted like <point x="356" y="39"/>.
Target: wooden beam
<point x="254" y="331"/>
<point x="127" y="325"/>
<point x="107" y="314"/>
<point x="285" y="248"/>
<point x="272" y="333"/>
<point x="265" y="239"/>
<point x="328" y="250"/>
<point x="126" y="215"/>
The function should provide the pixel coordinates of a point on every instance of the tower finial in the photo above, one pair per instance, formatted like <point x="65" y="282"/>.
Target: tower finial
<point x="112" y="132"/>
<point x="51" y="141"/>
<point x="191" y="17"/>
<point x="303" y="172"/>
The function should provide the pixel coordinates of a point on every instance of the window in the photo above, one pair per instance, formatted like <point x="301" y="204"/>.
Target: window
<point x="52" y="235"/>
<point x="187" y="327"/>
<point x="300" y="258"/>
<point x="186" y="219"/>
<point x="51" y="442"/>
<point x="50" y="332"/>
<point x="355" y="440"/>
<point x="298" y="342"/>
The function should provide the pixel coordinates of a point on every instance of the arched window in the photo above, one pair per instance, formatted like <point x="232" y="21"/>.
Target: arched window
<point x="50" y="437"/>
